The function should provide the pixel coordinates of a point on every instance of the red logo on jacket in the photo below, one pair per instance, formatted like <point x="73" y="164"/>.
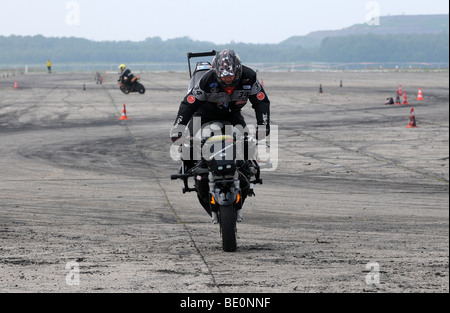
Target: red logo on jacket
<point x="261" y="96"/>
<point x="191" y="99"/>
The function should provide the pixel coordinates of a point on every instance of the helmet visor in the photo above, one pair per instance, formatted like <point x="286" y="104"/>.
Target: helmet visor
<point x="226" y="71"/>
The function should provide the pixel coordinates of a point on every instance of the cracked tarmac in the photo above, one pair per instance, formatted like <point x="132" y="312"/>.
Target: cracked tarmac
<point x="353" y="186"/>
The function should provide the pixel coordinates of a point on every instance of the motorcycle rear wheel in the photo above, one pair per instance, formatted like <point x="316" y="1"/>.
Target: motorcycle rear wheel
<point x="228" y="228"/>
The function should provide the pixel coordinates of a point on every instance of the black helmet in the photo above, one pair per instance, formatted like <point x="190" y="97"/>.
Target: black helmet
<point x="225" y="64"/>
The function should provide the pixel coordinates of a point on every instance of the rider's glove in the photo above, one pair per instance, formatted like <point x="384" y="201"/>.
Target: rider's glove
<point x="176" y="137"/>
<point x="175" y="134"/>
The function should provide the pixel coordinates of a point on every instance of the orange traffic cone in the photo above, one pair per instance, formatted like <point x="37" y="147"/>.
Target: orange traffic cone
<point x="405" y="98"/>
<point x="16" y="85"/>
<point x="397" y="100"/>
<point x="412" y="120"/>
<point x="124" y="113"/>
<point x="399" y="92"/>
<point x="420" y="96"/>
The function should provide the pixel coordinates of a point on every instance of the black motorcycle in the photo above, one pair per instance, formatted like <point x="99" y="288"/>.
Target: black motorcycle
<point x="226" y="171"/>
<point x="135" y="86"/>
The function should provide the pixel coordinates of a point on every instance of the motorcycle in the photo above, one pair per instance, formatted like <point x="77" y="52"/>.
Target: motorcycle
<point x="226" y="171"/>
<point x="136" y="86"/>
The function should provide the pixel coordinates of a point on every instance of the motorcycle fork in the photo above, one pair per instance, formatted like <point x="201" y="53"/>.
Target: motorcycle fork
<point x="233" y="188"/>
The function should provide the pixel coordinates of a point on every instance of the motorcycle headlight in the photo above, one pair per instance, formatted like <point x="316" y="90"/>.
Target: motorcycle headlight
<point x="222" y="167"/>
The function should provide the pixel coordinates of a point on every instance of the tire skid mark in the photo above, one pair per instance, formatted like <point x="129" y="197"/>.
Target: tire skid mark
<point x="172" y="209"/>
<point x="374" y="156"/>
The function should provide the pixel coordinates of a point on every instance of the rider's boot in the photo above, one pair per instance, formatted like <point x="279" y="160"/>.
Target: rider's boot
<point x="214" y="218"/>
<point x="239" y="217"/>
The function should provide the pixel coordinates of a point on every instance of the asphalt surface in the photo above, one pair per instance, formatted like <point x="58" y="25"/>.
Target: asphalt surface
<point x="357" y="202"/>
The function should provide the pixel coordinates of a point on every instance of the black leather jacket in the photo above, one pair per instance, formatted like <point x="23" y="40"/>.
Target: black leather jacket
<point x="126" y="74"/>
<point x="210" y="99"/>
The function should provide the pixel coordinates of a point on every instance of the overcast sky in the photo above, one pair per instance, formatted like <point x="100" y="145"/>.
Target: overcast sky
<point x="220" y="22"/>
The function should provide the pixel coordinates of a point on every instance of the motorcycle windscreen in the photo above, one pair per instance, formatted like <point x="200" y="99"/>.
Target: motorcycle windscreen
<point x="201" y="70"/>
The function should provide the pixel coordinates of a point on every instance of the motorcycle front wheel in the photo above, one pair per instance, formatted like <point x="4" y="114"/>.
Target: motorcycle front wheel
<point x="228" y="228"/>
<point x="141" y="88"/>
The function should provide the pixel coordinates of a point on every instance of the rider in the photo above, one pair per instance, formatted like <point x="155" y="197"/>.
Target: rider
<point x="222" y="93"/>
<point x="125" y="76"/>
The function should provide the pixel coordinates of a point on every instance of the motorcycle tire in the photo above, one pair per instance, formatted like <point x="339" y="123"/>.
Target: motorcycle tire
<point x="124" y="90"/>
<point x="228" y="228"/>
<point x="141" y="89"/>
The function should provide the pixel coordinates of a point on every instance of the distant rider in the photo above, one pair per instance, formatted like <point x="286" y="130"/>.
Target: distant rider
<point x="125" y="76"/>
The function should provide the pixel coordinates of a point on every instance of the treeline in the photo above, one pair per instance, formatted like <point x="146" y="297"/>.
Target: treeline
<point x="387" y="48"/>
<point x="355" y="48"/>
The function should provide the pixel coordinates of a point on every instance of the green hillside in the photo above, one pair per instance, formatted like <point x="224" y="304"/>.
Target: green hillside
<point x="389" y="25"/>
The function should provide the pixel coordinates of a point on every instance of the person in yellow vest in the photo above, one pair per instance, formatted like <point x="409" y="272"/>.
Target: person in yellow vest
<point x="49" y="66"/>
